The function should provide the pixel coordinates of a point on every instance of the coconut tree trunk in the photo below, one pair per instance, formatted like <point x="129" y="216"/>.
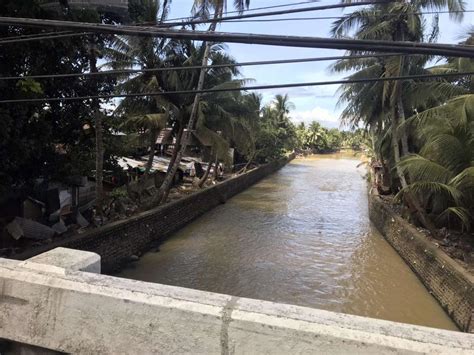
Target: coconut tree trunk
<point x="401" y="125"/>
<point x="206" y="175"/>
<point x="176" y="147"/>
<point x="166" y="185"/>
<point x="244" y="169"/>
<point x="99" y="144"/>
<point x="216" y="169"/>
<point x="152" y="143"/>
<point x="411" y="199"/>
<point x="162" y="194"/>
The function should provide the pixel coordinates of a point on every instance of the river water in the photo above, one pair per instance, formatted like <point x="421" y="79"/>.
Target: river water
<point x="301" y="236"/>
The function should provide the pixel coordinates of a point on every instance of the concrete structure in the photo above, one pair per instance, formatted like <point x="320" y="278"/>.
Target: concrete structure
<point x="50" y="301"/>
<point x="447" y="281"/>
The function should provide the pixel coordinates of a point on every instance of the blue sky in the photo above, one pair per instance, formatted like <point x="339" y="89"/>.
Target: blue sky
<point x="312" y="103"/>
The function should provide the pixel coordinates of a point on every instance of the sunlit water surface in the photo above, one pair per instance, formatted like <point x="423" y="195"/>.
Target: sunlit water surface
<point x="301" y="236"/>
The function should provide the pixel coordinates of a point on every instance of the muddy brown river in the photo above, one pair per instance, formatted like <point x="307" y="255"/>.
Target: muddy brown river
<point x="301" y="236"/>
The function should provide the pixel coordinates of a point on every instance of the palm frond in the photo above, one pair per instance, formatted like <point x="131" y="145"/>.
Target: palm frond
<point x="422" y="169"/>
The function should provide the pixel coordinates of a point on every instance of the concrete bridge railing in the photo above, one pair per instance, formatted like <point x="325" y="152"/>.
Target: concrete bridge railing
<point x="59" y="301"/>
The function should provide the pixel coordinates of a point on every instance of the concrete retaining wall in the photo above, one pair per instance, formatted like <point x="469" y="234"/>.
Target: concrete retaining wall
<point x="449" y="283"/>
<point x="49" y="302"/>
<point x="117" y="241"/>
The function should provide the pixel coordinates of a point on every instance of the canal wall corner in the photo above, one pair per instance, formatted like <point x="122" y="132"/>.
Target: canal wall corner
<point x="450" y="284"/>
<point x="118" y="241"/>
<point x="52" y="302"/>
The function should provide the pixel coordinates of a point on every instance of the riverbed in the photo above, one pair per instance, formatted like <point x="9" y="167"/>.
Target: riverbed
<point x="301" y="236"/>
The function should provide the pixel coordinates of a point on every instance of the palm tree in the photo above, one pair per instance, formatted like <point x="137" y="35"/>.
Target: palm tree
<point x="283" y="106"/>
<point x="315" y="134"/>
<point x="397" y="21"/>
<point x="201" y="8"/>
<point x="442" y="175"/>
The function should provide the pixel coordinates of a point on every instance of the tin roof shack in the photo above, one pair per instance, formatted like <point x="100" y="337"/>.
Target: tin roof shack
<point x="136" y="168"/>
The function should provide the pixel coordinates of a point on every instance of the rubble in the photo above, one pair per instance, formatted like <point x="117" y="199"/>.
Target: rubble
<point x="22" y="227"/>
<point x="59" y="227"/>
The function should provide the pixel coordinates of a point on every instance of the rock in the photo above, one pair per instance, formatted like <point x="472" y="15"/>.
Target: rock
<point x="14" y="229"/>
<point x="81" y="220"/>
<point x="134" y="258"/>
<point x="444" y="242"/>
<point x="59" y="227"/>
<point x="22" y="227"/>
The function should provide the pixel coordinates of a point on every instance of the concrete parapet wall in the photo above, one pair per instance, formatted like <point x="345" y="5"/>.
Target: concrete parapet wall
<point x="117" y="241"/>
<point x="446" y="280"/>
<point x="46" y="303"/>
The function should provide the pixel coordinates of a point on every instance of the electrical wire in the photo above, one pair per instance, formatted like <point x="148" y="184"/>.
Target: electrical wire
<point x="341" y="17"/>
<point x="247" y="10"/>
<point x="249" y="38"/>
<point x="193" y="67"/>
<point x="244" y="88"/>
<point x="34" y="35"/>
<point x="269" y="13"/>
<point x="65" y="34"/>
<point x="21" y="40"/>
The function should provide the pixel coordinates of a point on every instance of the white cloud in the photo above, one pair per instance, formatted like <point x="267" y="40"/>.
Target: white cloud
<point x="322" y="115"/>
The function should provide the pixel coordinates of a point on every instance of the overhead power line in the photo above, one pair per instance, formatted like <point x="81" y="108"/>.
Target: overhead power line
<point x="244" y="88"/>
<point x="67" y="34"/>
<point x="268" y="13"/>
<point x="253" y="9"/>
<point x="193" y="67"/>
<point x="341" y="17"/>
<point x="248" y="38"/>
<point x="34" y="35"/>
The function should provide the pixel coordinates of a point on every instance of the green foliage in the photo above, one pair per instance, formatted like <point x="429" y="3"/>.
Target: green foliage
<point x="443" y="172"/>
<point x="322" y="140"/>
<point x="29" y="86"/>
<point x="276" y="134"/>
<point x="39" y="140"/>
<point x="436" y="144"/>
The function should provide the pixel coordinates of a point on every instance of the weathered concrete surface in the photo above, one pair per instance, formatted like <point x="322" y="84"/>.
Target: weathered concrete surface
<point x="67" y="259"/>
<point x="446" y="280"/>
<point x="79" y="312"/>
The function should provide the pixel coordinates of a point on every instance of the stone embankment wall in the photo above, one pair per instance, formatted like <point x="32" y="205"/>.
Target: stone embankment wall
<point x="447" y="281"/>
<point x="117" y="241"/>
<point x="49" y="301"/>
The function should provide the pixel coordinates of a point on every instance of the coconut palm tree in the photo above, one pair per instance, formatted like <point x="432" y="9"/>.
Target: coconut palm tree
<point x="396" y="21"/>
<point x="202" y="9"/>
<point x="442" y="174"/>
<point x="283" y="106"/>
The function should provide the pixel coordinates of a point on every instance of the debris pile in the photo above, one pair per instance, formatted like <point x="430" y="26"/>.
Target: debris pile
<point x="49" y="210"/>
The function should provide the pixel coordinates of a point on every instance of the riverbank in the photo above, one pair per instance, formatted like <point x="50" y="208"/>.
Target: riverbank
<point x="120" y="242"/>
<point x="450" y="283"/>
